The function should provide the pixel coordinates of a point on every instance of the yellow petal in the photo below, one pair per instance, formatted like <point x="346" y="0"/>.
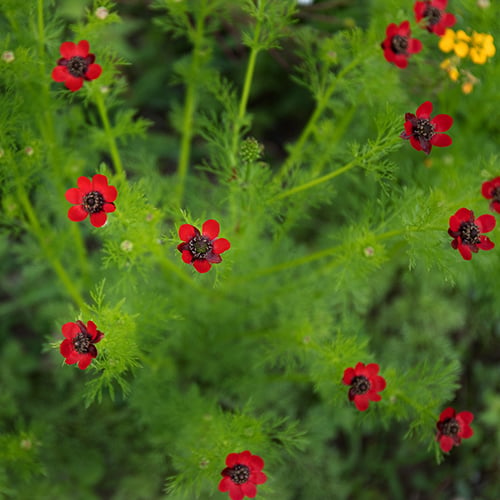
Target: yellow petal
<point x="461" y="49"/>
<point x="478" y="56"/>
<point x="467" y="87"/>
<point x="462" y="36"/>
<point x="446" y="43"/>
<point x="454" y="74"/>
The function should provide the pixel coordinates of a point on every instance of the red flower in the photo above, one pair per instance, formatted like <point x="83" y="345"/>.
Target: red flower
<point x="92" y="197"/>
<point x="452" y="428"/>
<point x="242" y="473"/>
<point x="433" y="12"/>
<point x="365" y="383"/>
<point x="75" y="65"/>
<point x="425" y="132"/>
<point x="491" y="191"/>
<point x="202" y="250"/>
<point x="398" y="46"/>
<point x="466" y="232"/>
<point x="78" y="346"/>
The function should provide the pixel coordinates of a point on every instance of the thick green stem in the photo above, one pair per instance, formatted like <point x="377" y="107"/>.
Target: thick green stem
<point x="110" y="136"/>
<point x="190" y="105"/>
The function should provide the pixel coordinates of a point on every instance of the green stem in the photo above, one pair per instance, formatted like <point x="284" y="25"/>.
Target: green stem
<point x="415" y="405"/>
<point x="322" y="103"/>
<point x="47" y="249"/>
<point x="190" y="105"/>
<point x="113" y="148"/>
<point x="315" y="182"/>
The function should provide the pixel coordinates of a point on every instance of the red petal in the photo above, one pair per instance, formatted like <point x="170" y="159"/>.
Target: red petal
<point x="424" y="110"/>
<point x="224" y="484"/>
<point x="202" y="265"/>
<point x="362" y="402"/>
<point x="66" y="347"/>
<point x="73" y="83"/>
<point x="259" y="477"/>
<point x="94" y="71"/>
<point x="465" y="251"/>
<point x="486" y="243"/>
<point x="447" y="21"/>
<point x="446" y="443"/>
<point x="415" y="143"/>
<point x="419" y="9"/>
<point x="73" y="195"/>
<point x="400" y="60"/>
<point x="68" y="50"/>
<point x="349" y="374"/>
<point x="213" y="258"/>
<point x="409" y="127"/>
<point x="92" y="329"/>
<point x="495" y="205"/>
<point x="372" y="369"/>
<point x="99" y="183"/>
<point x="77" y="213"/>
<point x="442" y="122"/>
<point x="232" y="459"/>
<point x="466" y="432"/>
<point x="464" y="215"/>
<point x="72" y="358"/>
<point x="256" y="463"/>
<point x="414" y="46"/>
<point x="221" y="245"/>
<point x="249" y="489"/>
<point x="109" y="207"/>
<point x="391" y="30"/>
<point x="187" y="232"/>
<point x="70" y="330"/>
<point x="379" y="383"/>
<point x="441" y="140"/>
<point x="404" y="28"/>
<point x="82" y="49"/>
<point x="60" y="73"/>
<point x="187" y="256"/>
<point x="487" y="189"/>
<point x="439" y="4"/>
<point x="211" y="229"/>
<point x="373" y="396"/>
<point x="85" y="185"/>
<point x="98" y="219"/>
<point x="466" y="417"/>
<point x="85" y="361"/>
<point x="446" y="414"/>
<point x="486" y="223"/>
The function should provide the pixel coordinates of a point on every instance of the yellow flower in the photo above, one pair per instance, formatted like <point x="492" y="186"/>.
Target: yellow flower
<point x="449" y="66"/>
<point x="458" y="42"/>
<point x="482" y="47"/>
<point x="467" y="87"/>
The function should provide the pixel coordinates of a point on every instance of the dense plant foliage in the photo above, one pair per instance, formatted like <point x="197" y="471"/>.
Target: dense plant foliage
<point x="335" y="331"/>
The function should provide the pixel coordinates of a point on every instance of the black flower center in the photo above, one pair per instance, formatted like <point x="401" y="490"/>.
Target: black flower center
<point x="423" y="129"/>
<point x="359" y="385"/>
<point x="399" y="44"/>
<point x="78" y="66"/>
<point x="239" y="474"/>
<point x="449" y="427"/>
<point x="469" y="233"/>
<point x="82" y="342"/>
<point x="432" y="14"/>
<point x="496" y="194"/>
<point x="93" y="202"/>
<point x="199" y="246"/>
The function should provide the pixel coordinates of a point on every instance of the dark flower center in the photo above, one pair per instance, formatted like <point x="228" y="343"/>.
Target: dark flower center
<point x="496" y="194"/>
<point x="469" y="233"/>
<point x="82" y="342"/>
<point x="239" y="474"/>
<point x="399" y="44"/>
<point x="93" y="202"/>
<point x="78" y="66"/>
<point x="199" y="246"/>
<point x="359" y="385"/>
<point x="432" y="14"/>
<point x="423" y="129"/>
<point x="449" y="427"/>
